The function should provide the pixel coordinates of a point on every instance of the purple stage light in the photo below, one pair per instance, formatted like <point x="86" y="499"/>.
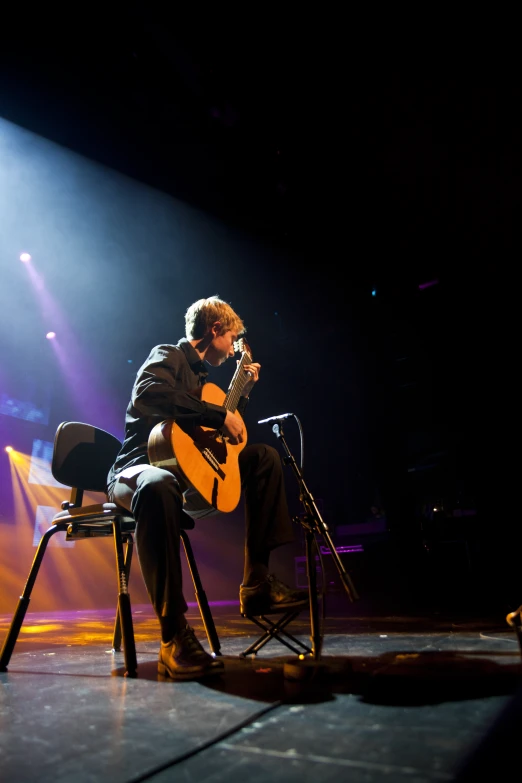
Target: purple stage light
<point x="422" y="286"/>
<point x="91" y="397"/>
<point x="25" y="257"/>
<point x="342" y="550"/>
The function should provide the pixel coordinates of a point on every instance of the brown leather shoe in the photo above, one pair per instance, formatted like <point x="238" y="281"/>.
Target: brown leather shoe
<point x="183" y="658"/>
<point x="271" y="595"/>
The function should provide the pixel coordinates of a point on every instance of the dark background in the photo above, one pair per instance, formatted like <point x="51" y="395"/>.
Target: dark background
<point x="357" y="166"/>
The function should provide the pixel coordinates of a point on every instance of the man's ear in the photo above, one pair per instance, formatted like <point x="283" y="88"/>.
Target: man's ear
<point x="216" y="328"/>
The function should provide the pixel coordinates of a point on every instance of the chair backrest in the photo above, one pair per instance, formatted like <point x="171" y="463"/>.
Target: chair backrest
<point x="83" y="455"/>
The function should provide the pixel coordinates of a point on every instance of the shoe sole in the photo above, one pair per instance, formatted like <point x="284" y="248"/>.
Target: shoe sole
<point x="212" y="670"/>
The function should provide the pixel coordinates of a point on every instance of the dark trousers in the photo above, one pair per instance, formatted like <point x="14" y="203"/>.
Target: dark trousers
<point x="154" y="497"/>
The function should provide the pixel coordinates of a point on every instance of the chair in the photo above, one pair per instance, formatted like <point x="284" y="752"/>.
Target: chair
<point x="82" y="456"/>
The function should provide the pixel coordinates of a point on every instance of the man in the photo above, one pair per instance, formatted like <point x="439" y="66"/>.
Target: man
<point x="167" y="386"/>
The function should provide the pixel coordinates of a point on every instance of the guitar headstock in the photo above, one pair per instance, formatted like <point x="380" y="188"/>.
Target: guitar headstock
<point x="241" y="346"/>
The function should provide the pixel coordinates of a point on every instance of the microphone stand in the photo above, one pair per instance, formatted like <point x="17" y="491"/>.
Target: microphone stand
<point x="313" y="523"/>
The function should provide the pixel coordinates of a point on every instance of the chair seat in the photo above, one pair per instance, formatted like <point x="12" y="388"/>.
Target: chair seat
<point x="104" y="513"/>
<point x="97" y="510"/>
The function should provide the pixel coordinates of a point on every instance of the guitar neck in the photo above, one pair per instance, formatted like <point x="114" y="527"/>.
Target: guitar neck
<point x="236" y="384"/>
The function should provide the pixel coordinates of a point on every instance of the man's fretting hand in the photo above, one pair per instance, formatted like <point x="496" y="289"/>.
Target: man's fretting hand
<point x="252" y="371"/>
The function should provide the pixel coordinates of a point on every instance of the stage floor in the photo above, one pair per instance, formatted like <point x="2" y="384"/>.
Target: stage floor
<point x="394" y="697"/>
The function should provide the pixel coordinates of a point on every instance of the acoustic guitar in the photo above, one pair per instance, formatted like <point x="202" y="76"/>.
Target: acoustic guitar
<point x="201" y="458"/>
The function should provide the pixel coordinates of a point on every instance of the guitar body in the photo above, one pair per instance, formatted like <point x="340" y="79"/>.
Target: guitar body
<point x="203" y="461"/>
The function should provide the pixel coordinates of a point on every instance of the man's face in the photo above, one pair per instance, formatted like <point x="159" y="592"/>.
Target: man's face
<point x="222" y="346"/>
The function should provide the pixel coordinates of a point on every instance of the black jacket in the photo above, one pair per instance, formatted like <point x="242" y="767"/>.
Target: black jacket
<point x="165" y="388"/>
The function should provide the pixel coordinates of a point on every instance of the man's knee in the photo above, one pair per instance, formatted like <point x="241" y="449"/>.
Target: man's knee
<point x="261" y="455"/>
<point x="271" y="455"/>
<point x="155" y="485"/>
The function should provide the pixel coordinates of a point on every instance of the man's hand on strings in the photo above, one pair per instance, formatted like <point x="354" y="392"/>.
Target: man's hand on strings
<point x="233" y="428"/>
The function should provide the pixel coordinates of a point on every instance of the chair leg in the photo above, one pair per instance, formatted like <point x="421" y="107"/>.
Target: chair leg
<point x="23" y="602"/>
<point x="124" y="605"/>
<point x="116" y="639"/>
<point x="201" y="598"/>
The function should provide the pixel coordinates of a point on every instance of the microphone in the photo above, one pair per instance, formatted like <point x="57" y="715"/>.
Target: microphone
<point x="276" y="418"/>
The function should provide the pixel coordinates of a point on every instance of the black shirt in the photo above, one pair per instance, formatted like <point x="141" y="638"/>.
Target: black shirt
<point x="165" y="388"/>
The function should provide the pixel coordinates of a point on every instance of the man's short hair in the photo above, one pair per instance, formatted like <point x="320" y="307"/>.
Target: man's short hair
<point x="201" y="316"/>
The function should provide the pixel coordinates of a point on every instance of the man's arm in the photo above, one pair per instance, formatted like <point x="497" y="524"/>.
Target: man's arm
<point x="163" y="389"/>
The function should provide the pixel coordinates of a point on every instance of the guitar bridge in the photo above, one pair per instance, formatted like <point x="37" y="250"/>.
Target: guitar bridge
<point x="213" y="461"/>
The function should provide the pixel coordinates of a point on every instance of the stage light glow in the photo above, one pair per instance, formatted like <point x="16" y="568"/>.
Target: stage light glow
<point x="25" y="257"/>
<point x="9" y="449"/>
<point x="28" y="409"/>
<point x="65" y="347"/>
<point x="374" y="292"/>
<point x="422" y="286"/>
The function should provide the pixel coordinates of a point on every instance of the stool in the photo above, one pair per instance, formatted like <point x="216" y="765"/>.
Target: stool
<point x="276" y="629"/>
